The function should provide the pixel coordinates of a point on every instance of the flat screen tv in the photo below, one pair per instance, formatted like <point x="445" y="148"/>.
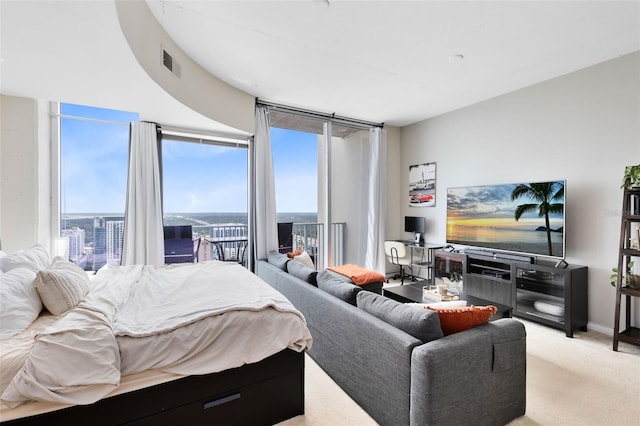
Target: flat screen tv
<point x="521" y="217"/>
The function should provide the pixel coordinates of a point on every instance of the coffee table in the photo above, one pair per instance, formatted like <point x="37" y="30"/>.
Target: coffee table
<point x="413" y="293"/>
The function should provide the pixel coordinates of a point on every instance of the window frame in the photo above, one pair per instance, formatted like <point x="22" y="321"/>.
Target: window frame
<point x="173" y="133"/>
<point x="56" y="117"/>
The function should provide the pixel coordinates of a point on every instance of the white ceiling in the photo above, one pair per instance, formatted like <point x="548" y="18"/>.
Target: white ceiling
<point x="382" y="61"/>
<point x="74" y="51"/>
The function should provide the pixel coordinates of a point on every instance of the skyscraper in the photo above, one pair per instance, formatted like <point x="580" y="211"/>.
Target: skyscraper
<point x="114" y="237"/>
<point x="76" y="238"/>
<point x="99" y="243"/>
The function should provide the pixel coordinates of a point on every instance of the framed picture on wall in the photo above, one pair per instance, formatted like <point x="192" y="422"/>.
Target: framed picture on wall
<point x="422" y="185"/>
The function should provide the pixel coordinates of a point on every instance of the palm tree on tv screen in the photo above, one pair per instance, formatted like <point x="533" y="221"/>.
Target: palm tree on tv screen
<point x="545" y="193"/>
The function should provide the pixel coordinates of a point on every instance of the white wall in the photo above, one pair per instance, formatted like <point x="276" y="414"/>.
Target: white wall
<point x="25" y="173"/>
<point x="583" y="127"/>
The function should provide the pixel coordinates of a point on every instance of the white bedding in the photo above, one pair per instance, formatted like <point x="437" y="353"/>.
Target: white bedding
<point x="184" y="319"/>
<point x="15" y="350"/>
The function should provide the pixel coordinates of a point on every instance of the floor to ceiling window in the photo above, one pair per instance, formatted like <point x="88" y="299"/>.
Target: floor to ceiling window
<point x="295" y="163"/>
<point x="322" y="162"/>
<point x="295" y="166"/>
<point x="205" y="186"/>
<point x="94" y="151"/>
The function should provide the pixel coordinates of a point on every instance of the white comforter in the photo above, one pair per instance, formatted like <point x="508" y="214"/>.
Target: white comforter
<point x="185" y="319"/>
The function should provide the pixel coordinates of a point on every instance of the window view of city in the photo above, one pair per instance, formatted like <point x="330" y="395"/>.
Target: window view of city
<point x="204" y="185"/>
<point x="96" y="239"/>
<point x="94" y="151"/>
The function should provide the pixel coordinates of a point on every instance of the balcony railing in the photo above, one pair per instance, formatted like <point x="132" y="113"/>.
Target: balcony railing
<point x="229" y="242"/>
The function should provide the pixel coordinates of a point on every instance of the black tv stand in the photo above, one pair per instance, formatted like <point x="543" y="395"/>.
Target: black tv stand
<point x="540" y="291"/>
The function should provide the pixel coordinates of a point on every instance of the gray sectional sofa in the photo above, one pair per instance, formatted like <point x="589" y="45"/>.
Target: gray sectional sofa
<point x="392" y="358"/>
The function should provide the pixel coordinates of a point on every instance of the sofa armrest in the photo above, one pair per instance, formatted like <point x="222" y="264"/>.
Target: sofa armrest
<point x="474" y="377"/>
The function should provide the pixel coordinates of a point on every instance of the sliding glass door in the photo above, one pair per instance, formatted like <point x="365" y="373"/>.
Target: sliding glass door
<point x="295" y="164"/>
<point x="205" y="187"/>
<point x="338" y="180"/>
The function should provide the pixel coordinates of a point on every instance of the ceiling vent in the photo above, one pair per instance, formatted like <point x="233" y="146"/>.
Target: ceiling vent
<point x="170" y="64"/>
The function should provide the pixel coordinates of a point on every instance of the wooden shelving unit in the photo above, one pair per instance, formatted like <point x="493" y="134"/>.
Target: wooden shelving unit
<point x="626" y="254"/>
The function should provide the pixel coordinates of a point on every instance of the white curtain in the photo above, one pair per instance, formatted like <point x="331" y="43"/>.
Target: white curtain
<point x="143" y="234"/>
<point x="264" y="213"/>
<point x="375" y="258"/>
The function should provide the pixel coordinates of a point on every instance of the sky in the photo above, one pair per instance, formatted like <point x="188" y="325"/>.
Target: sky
<point x="197" y="177"/>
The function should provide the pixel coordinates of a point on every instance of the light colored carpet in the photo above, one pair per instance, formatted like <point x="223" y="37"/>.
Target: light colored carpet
<point x="578" y="381"/>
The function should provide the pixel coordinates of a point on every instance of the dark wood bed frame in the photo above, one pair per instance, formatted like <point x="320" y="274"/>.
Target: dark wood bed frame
<point x="263" y="393"/>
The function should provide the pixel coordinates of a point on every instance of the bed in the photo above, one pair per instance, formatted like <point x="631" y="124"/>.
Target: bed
<point x="205" y="343"/>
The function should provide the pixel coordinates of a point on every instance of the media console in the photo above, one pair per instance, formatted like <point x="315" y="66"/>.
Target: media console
<point x="539" y="291"/>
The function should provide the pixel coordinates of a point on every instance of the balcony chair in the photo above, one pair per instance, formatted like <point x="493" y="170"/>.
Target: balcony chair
<point x="285" y="237"/>
<point x="178" y="244"/>
<point x="398" y="254"/>
<point x="237" y="253"/>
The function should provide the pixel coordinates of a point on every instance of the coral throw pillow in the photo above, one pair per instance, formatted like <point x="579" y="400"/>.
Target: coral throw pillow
<point x="357" y="274"/>
<point x="454" y="320"/>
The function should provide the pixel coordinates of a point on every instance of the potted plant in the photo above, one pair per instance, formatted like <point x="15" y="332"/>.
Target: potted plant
<point x="630" y="279"/>
<point x="631" y="178"/>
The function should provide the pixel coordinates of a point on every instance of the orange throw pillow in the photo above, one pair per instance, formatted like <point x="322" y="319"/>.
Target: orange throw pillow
<point x="454" y="320"/>
<point x="357" y="274"/>
<point x="293" y="254"/>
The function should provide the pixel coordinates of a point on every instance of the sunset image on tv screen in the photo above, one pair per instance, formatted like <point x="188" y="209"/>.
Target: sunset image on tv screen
<point x="524" y="217"/>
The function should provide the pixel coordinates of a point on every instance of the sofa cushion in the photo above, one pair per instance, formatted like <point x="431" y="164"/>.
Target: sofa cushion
<point x="420" y="323"/>
<point x="332" y="283"/>
<point x="302" y="271"/>
<point x="454" y="320"/>
<point x="374" y="287"/>
<point x="278" y="259"/>
<point x="336" y="276"/>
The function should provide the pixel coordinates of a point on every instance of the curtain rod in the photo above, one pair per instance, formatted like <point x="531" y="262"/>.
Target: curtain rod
<point x="315" y="114"/>
<point x="171" y="130"/>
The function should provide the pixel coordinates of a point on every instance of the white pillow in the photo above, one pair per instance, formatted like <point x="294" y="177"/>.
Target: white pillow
<point x="305" y="259"/>
<point x="34" y="258"/>
<point x="62" y="286"/>
<point x="19" y="301"/>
